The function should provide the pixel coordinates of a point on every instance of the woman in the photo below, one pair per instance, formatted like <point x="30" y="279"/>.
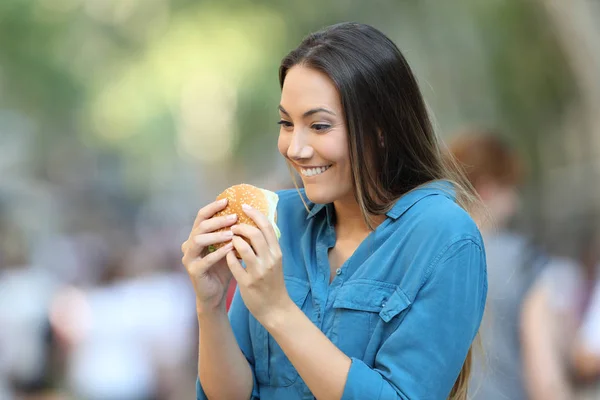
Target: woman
<point x="378" y="291"/>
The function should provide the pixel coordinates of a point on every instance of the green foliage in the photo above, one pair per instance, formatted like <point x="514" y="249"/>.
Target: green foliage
<point x="110" y="76"/>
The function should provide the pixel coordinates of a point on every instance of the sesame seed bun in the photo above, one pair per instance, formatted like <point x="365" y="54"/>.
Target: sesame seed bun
<point x="261" y="200"/>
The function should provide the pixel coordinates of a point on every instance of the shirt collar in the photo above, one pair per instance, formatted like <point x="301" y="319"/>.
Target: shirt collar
<point x="441" y="187"/>
<point x="438" y="187"/>
<point x="316" y="209"/>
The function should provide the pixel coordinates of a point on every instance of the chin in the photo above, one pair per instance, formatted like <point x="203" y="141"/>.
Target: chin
<point x="320" y="194"/>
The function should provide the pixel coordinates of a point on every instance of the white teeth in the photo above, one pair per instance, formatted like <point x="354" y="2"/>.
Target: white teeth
<point x="314" y="171"/>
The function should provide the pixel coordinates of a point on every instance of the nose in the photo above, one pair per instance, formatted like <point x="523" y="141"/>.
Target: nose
<point x="299" y="147"/>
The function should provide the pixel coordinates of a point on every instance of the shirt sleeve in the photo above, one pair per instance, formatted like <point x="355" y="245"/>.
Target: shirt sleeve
<point x="239" y="319"/>
<point x="422" y="358"/>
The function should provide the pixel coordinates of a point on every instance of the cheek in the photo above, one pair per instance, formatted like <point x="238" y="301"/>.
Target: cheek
<point x="345" y="177"/>
<point x="337" y="153"/>
<point x="283" y="145"/>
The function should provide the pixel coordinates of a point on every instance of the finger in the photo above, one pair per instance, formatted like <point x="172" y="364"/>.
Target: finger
<point x="189" y="252"/>
<point x="184" y="246"/>
<point x="215" y="223"/>
<point x="209" y="210"/>
<point x="236" y="268"/>
<point x="256" y="237"/>
<point x="207" y="239"/>
<point x="200" y="265"/>
<point x="196" y="245"/>
<point x="263" y="224"/>
<point x="245" y="251"/>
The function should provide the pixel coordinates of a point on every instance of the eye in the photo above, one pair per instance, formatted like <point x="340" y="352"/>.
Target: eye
<point x="320" y="127"/>
<point x="285" y="124"/>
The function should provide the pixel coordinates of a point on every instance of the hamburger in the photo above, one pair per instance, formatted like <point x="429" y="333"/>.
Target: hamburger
<point x="261" y="200"/>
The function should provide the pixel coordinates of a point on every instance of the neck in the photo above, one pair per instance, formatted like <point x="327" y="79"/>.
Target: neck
<point x="349" y="221"/>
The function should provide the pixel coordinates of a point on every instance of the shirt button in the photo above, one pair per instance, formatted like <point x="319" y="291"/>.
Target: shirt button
<point x="338" y="271"/>
<point x="383" y="303"/>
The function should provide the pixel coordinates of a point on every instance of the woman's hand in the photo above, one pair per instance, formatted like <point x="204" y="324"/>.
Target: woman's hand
<point x="208" y="271"/>
<point x="261" y="284"/>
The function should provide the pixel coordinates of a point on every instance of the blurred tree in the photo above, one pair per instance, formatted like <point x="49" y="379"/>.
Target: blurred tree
<point x="160" y="85"/>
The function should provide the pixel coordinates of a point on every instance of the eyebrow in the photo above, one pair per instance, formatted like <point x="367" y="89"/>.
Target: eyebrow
<point x="309" y="112"/>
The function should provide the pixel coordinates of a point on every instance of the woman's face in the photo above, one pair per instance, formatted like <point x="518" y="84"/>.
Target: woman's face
<point x="313" y="135"/>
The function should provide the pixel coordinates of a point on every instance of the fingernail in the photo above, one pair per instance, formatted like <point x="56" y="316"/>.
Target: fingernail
<point x="232" y="217"/>
<point x="228" y="246"/>
<point x="223" y="201"/>
<point x="227" y="234"/>
<point x="246" y="207"/>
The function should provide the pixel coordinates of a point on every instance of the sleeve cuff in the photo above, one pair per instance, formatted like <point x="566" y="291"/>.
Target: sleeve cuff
<point x="200" y="395"/>
<point x="199" y="392"/>
<point x="362" y="382"/>
<point x="255" y="391"/>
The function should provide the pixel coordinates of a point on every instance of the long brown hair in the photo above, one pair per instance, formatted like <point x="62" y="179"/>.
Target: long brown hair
<point x="392" y="145"/>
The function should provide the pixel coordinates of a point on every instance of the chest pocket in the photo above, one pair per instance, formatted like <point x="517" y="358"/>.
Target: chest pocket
<point x="272" y="367"/>
<point x="364" y="313"/>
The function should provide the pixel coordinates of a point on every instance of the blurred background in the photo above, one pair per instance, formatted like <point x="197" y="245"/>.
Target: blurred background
<point x="119" y="119"/>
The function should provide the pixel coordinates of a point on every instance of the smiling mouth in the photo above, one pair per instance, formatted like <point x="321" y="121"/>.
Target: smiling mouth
<point x="314" y="171"/>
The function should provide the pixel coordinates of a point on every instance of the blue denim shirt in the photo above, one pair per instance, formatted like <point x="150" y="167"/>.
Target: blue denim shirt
<point x="405" y="307"/>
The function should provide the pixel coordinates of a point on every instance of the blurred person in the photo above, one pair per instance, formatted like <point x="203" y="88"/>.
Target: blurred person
<point x="496" y="171"/>
<point x="378" y="289"/>
<point x="25" y="291"/>
<point x="566" y="303"/>
<point x="128" y="336"/>
<point x="585" y="352"/>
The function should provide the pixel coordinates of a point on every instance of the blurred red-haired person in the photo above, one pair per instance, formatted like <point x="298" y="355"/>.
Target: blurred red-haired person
<point x="496" y="171"/>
